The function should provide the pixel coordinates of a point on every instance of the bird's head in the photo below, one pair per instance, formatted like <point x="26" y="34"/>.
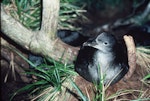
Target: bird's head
<point x="104" y="42"/>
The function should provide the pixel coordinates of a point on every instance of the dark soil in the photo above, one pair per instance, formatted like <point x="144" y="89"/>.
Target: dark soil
<point x="14" y="80"/>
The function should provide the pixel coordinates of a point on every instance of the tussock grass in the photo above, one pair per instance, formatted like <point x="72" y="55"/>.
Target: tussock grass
<point x="50" y="80"/>
<point x="143" y="56"/>
<point x="28" y="12"/>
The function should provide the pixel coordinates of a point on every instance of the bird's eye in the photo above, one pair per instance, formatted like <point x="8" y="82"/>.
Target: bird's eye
<point x="105" y="43"/>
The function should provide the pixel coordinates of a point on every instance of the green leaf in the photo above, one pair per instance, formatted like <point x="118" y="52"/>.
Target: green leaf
<point x="84" y="98"/>
<point x="146" y="77"/>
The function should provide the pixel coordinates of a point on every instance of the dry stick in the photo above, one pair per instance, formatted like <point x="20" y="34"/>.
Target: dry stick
<point x="131" y="55"/>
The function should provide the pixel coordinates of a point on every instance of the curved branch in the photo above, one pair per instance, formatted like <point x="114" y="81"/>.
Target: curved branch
<point x="15" y="30"/>
<point x="40" y="42"/>
<point x="131" y="55"/>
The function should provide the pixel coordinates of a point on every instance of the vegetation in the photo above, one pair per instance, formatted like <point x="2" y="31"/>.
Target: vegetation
<point x="49" y="80"/>
<point x="28" y="13"/>
<point x="51" y="75"/>
<point x="25" y="11"/>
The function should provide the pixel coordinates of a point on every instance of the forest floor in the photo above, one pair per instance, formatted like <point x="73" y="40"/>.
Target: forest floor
<point x="12" y="78"/>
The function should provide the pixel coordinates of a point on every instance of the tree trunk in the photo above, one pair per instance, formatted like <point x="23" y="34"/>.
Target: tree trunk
<point x="44" y="41"/>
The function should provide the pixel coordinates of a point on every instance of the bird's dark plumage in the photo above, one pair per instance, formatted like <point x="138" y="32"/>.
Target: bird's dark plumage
<point x="105" y="54"/>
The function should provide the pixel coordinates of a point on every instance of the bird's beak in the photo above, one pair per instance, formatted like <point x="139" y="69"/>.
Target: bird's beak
<point x="90" y="43"/>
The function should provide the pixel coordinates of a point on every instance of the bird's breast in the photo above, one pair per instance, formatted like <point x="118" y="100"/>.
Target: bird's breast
<point x="104" y="60"/>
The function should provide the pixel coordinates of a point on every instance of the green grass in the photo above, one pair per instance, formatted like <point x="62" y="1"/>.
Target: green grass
<point x="28" y="12"/>
<point x="52" y="76"/>
<point x="82" y="96"/>
<point x="49" y="79"/>
<point x="100" y="90"/>
<point x="68" y="14"/>
<point x="146" y="80"/>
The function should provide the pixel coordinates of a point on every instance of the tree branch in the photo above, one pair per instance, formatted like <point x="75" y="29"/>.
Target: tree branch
<point x="41" y="42"/>
<point x="50" y="15"/>
<point x="131" y="55"/>
<point x="15" y="30"/>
